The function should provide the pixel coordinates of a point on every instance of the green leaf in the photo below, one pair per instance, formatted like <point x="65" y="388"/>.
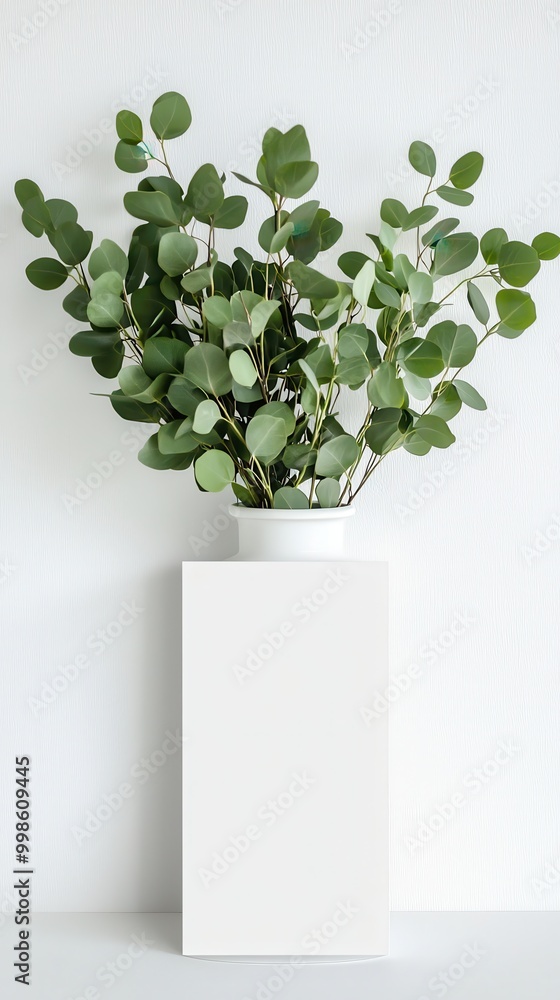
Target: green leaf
<point x="454" y="195"/>
<point x="515" y="309"/>
<point x="25" y="190"/>
<point x="129" y="127"/>
<point x="205" y="193"/>
<point x="134" y="381"/>
<point x="336" y="456"/>
<point x="385" y="430"/>
<point x="457" y="343"/>
<point x="353" y="341"/>
<point x="110" y="363"/>
<point x="438" y="231"/>
<point x="153" y="206"/>
<point x="420" y="286"/>
<point x="231" y="212"/>
<point x="446" y="403"/>
<point x="385" y="388"/>
<point x="131" y="159"/>
<point x="420" y="357"/>
<point x="214" y="470"/>
<point x="110" y="281"/>
<point x="76" y="303"/>
<point x="46" y="273"/>
<point x="293" y="180"/>
<point x="402" y="269"/>
<point x="547" y="245"/>
<point x="261" y="313"/>
<point x="393" y="212"/>
<point x="290" y="498"/>
<point x="282" y="412"/>
<point x="151" y="456"/>
<point x="281" y="237"/>
<point x="61" y="211"/>
<point x="491" y="244"/>
<point x="419" y="217"/>
<point x="353" y="371"/>
<point x="108" y="257"/>
<point x="469" y="395"/>
<point x="217" y="311"/>
<point x="518" y="263"/>
<point x="309" y="283"/>
<point x="327" y="492"/>
<point x="352" y="262"/>
<point x="478" y="303"/>
<point x="466" y="170"/>
<point x="206" y="366"/>
<point x="171" y="116"/>
<point x="422" y="158"/>
<point x="206" y="416"/>
<point x="454" y="253"/>
<point x="242" y="368"/>
<point x="133" y="409"/>
<point x="266" y="437"/>
<point x="164" y="355"/>
<point x="91" y="343"/>
<point x="105" y="310"/>
<point x="419" y="388"/>
<point x="299" y="456"/>
<point x="387" y="295"/>
<point x="434" y="431"/>
<point x="72" y="243"/>
<point x="36" y="216"/>
<point x="175" y="438"/>
<point x="183" y="396"/>
<point x="363" y="283"/>
<point x="176" y="253"/>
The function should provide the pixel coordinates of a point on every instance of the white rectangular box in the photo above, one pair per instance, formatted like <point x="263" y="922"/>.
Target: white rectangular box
<point x="285" y="836"/>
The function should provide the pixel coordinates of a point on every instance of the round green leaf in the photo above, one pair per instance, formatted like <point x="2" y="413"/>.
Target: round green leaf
<point x="217" y="311"/>
<point x="46" y="273"/>
<point x="293" y="180"/>
<point x="242" y="368"/>
<point x="420" y="357"/>
<point x="518" y="263"/>
<point x="328" y="492"/>
<point x="437" y="232"/>
<point x="109" y="281"/>
<point x="231" y="212"/>
<point x="129" y="127"/>
<point x="266" y="437"/>
<point x="108" y="257"/>
<point x="419" y="217"/>
<point x="105" y="310"/>
<point x="384" y="432"/>
<point x="164" y="356"/>
<point x="457" y="343"/>
<point x="386" y="294"/>
<point x="352" y="371"/>
<point x="206" y="415"/>
<point x="353" y="341"/>
<point x="176" y="253"/>
<point x="336" y="456"/>
<point x="61" y="211"/>
<point x="385" y="388"/>
<point x="491" y="244"/>
<point x="393" y="212"/>
<point x="547" y="245"/>
<point x="214" y="470"/>
<point x="422" y="158"/>
<point x="478" y="303"/>
<point x="363" y="283"/>
<point x="282" y="412"/>
<point x="91" y="343"/>
<point x="454" y="253"/>
<point x="447" y="403"/>
<point x="171" y="116"/>
<point x="454" y="195"/>
<point x="515" y="309"/>
<point x="151" y="456"/>
<point x="299" y="456"/>
<point x="152" y="206"/>
<point x="72" y="243"/>
<point x="434" y="431"/>
<point x="309" y="283"/>
<point x="131" y="159"/>
<point x="420" y="286"/>
<point x="469" y="395"/>
<point x="290" y="498"/>
<point x="25" y="190"/>
<point x="466" y="170"/>
<point x="206" y="366"/>
<point x="205" y="193"/>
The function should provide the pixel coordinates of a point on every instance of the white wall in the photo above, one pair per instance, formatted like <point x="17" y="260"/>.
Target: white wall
<point x="365" y="77"/>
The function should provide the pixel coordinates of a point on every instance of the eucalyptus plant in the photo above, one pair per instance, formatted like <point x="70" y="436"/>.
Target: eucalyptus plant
<point x="240" y="365"/>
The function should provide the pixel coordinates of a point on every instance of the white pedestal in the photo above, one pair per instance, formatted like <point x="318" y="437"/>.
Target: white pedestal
<point x="285" y="837"/>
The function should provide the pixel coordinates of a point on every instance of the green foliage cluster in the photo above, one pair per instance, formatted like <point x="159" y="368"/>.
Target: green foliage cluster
<point x="240" y="365"/>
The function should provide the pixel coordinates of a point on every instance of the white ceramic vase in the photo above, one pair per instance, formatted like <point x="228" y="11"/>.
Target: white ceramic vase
<point x="315" y="535"/>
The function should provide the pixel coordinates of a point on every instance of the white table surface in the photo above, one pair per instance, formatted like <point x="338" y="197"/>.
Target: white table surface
<point x="518" y="958"/>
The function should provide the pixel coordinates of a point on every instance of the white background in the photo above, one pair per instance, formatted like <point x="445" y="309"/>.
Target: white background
<point x="366" y="78"/>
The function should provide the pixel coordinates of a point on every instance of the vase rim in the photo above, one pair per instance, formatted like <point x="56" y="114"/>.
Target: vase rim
<point x="303" y="514"/>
